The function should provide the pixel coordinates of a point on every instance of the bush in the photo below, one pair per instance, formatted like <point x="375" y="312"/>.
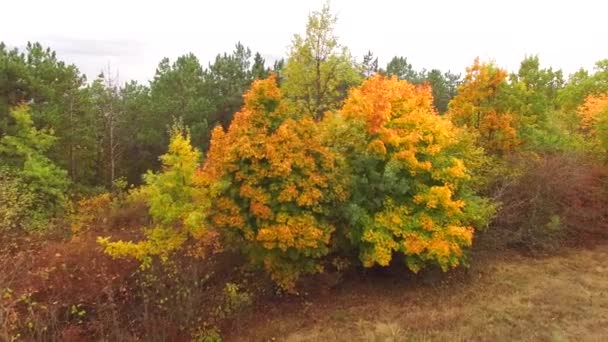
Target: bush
<point x="107" y="212"/>
<point x="91" y="211"/>
<point x="551" y="200"/>
<point x="16" y="203"/>
<point x="410" y="178"/>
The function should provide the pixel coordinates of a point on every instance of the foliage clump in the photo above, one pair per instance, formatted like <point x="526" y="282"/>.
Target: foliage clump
<point x="477" y="108"/>
<point x="33" y="188"/>
<point x="593" y="115"/>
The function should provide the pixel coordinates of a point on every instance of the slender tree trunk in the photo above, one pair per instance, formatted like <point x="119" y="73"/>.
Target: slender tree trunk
<point x="71" y="148"/>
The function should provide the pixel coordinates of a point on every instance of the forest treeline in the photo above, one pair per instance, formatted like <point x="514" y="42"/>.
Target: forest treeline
<point x="314" y="163"/>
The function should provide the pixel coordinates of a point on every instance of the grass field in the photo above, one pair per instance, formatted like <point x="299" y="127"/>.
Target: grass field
<point x="513" y="298"/>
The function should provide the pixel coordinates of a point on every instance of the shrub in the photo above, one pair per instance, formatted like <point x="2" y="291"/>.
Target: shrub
<point x="551" y="200"/>
<point x="109" y="211"/>
<point x="16" y="202"/>
<point x="410" y="181"/>
<point x="277" y="185"/>
<point x="91" y="211"/>
<point x="235" y="300"/>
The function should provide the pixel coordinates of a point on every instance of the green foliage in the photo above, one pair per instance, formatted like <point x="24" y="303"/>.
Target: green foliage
<point x="444" y="85"/>
<point x="582" y="84"/>
<point x="531" y="93"/>
<point x="16" y="202"/>
<point x="32" y="181"/>
<point x="227" y="79"/>
<point x="177" y="90"/>
<point x="56" y="94"/>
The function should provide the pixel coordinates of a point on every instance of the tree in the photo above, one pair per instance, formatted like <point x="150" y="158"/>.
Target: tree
<point x="178" y="91"/>
<point x="259" y="70"/>
<point x="533" y="91"/>
<point x="443" y="85"/>
<point x="477" y="107"/>
<point x="410" y="178"/>
<point x="140" y="151"/>
<point x="369" y="67"/>
<point x="593" y="114"/>
<point x="105" y="94"/>
<point x="226" y="81"/>
<point x="532" y="94"/>
<point x="56" y="94"/>
<point x="277" y="69"/>
<point x="579" y="86"/>
<point x="319" y="71"/>
<point x="399" y="66"/>
<point x="277" y="183"/>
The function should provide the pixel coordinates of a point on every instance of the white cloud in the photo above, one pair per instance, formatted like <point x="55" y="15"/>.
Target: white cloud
<point x="134" y="35"/>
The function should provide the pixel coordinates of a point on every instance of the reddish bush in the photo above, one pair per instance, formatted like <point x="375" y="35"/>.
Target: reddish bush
<point x="554" y="200"/>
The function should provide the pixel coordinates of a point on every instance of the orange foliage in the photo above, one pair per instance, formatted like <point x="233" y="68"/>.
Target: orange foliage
<point x="591" y="110"/>
<point x="476" y="107"/>
<point x="276" y="182"/>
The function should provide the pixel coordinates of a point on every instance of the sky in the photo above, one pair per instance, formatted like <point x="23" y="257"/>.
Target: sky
<point x="132" y="36"/>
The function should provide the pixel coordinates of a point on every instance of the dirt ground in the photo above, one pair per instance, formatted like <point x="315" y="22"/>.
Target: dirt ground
<point x="501" y="298"/>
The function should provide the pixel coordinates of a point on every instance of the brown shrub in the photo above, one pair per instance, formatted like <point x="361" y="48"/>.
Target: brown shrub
<point x="106" y="212"/>
<point x="550" y="201"/>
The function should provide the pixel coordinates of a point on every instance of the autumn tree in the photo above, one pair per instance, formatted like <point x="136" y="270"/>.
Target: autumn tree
<point x="319" y="71"/>
<point x="443" y="84"/>
<point x="477" y="107"/>
<point x="410" y="177"/>
<point x="277" y="185"/>
<point x="177" y="204"/>
<point x="593" y="115"/>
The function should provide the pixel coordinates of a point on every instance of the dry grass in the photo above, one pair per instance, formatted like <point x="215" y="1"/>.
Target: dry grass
<point x="560" y="298"/>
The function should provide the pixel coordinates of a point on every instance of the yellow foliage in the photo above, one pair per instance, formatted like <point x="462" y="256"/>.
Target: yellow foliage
<point x="90" y="211"/>
<point x="592" y="110"/>
<point x="178" y="204"/>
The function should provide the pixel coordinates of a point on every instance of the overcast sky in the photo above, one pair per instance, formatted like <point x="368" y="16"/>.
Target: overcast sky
<point x="132" y="36"/>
